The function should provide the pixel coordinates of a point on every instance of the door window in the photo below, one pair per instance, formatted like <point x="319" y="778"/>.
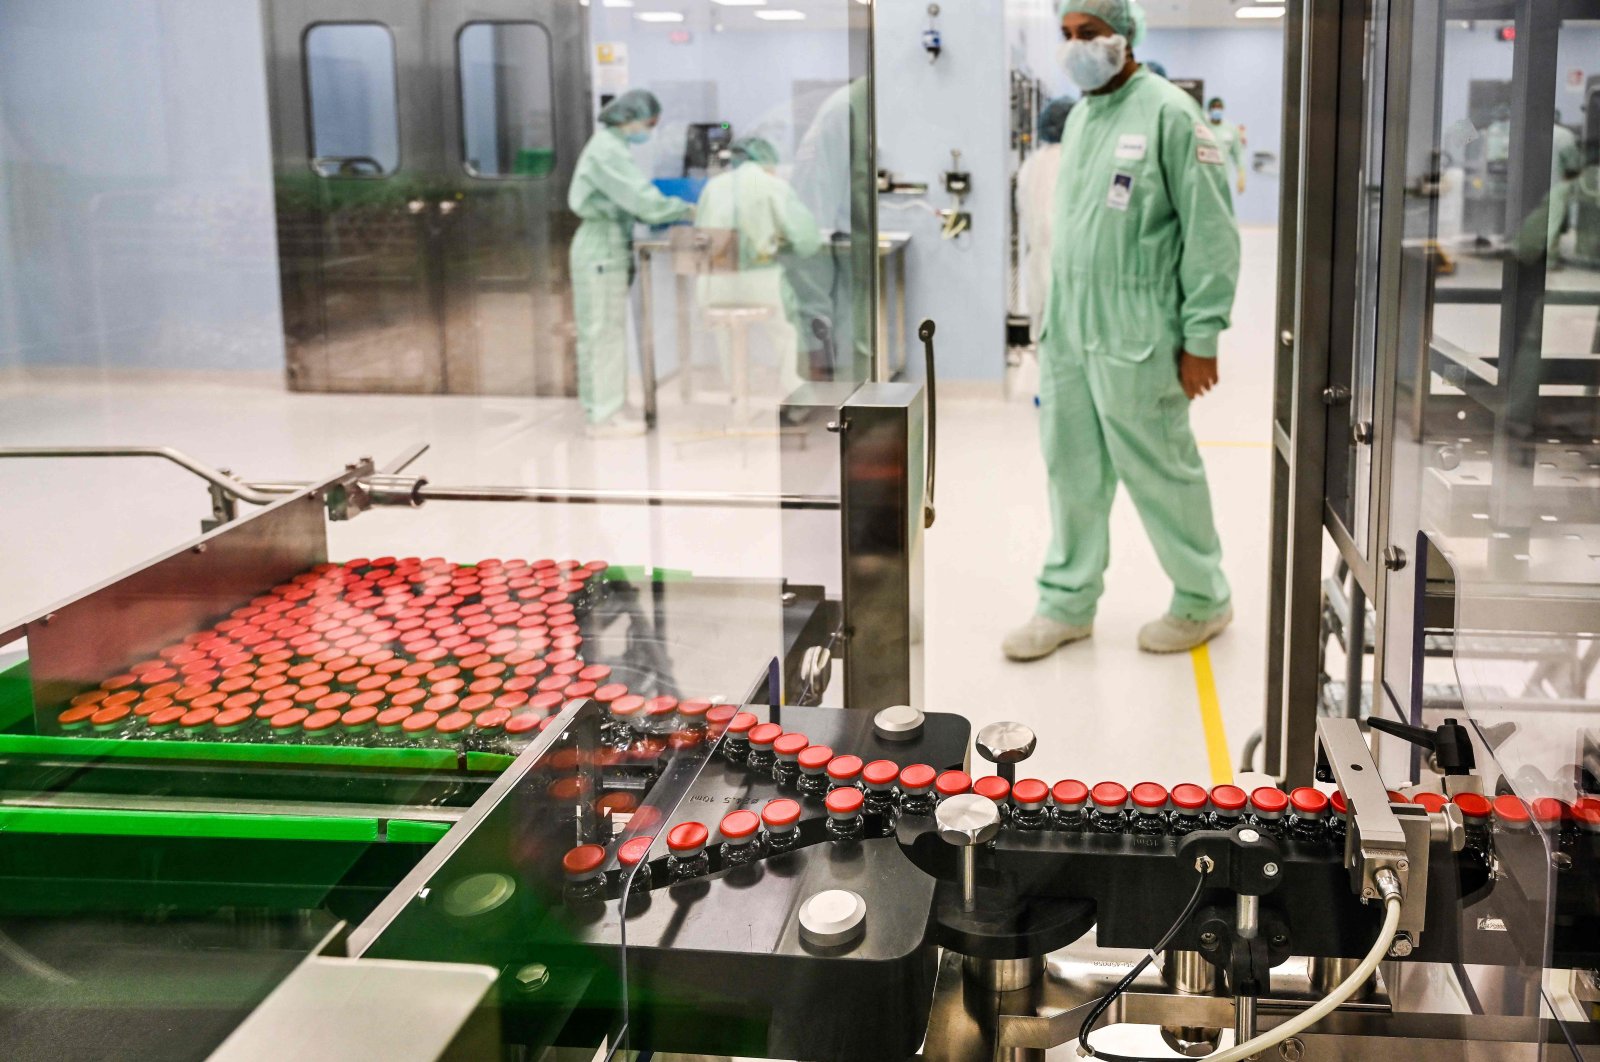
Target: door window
<point x="350" y="82"/>
<point x="507" y="100"/>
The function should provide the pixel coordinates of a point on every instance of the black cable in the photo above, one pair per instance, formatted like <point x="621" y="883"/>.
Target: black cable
<point x="1122" y="986"/>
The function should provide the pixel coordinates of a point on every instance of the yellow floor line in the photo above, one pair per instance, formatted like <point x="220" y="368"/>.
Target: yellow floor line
<point x="1205" y="684"/>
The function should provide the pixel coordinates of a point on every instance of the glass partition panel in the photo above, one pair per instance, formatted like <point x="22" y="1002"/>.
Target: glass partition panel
<point x="1496" y="464"/>
<point x="501" y="337"/>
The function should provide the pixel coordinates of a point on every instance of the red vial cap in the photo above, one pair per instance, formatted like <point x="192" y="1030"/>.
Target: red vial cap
<point x="321" y="720"/>
<point x="686" y="838"/>
<point x="522" y="724"/>
<point x="393" y="717"/>
<point x="994" y="787"/>
<point x="1510" y="808"/>
<point x="1549" y="811"/>
<point x="1109" y="795"/>
<point x="1586" y="810"/>
<point x="720" y="714"/>
<point x="1150" y="796"/>
<point x="454" y="723"/>
<point x="695" y="709"/>
<point x="1474" y="805"/>
<point x="166" y="717"/>
<point x="918" y="778"/>
<point x="493" y="719"/>
<point x="781" y="814"/>
<point x="1269" y="800"/>
<point x="742" y="723"/>
<point x="1228" y="798"/>
<point x="634" y="851"/>
<point x="576" y="690"/>
<point x="419" y="721"/>
<point x="952" y="783"/>
<point x="1030" y="793"/>
<point x="629" y="705"/>
<point x="584" y="861"/>
<point x="765" y="735"/>
<point x="814" y="758"/>
<point x="193" y="717"/>
<point x="1189" y="797"/>
<point x="289" y="717"/>
<point x="660" y="706"/>
<point x="1069" y="792"/>
<point x="845" y="768"/>
<point x="1309" y="802"/>
<point x="78" y="714"/>
<point x="739" y="825"/>
<point x="113" y="713"/>
<point x="233" y="717"/>
<point x="1397" y="797"/>
<point x="359" y="716"/>
<point x="879" y="774"/>
<point x="1432" y="801"/>
<point x="844" y="801"/>
<point x="1341" y="807"/>
<point x="545" y="702"/>
<point x="790" y="746"/>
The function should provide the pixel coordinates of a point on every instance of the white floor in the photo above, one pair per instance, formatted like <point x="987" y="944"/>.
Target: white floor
<point x="1102" y="709"/>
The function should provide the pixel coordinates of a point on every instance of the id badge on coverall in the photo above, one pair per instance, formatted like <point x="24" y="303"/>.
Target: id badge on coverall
<point x="1130" y="148"/>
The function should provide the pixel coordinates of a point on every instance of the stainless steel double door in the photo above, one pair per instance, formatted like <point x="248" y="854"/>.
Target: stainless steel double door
<point x="422" y="152"/>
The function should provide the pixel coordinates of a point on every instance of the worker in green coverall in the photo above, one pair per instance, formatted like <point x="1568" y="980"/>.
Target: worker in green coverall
<point x="1144" y="264"/>
<point x="609" y="193"/>
<point x="1230" y="138"/>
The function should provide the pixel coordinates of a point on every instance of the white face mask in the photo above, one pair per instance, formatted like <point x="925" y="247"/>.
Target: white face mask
<point x="1091" y="64"/>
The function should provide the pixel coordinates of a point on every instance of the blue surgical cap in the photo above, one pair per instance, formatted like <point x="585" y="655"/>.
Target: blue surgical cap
<point x="1052" y="118"/>
<point x="635" y="105"/>
<point x="1123" y="16"/>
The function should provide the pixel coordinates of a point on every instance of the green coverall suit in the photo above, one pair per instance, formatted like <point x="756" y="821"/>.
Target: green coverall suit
<point x="769" y="218"/>
<point x="609" y="193"/>
<point x="1144" y="265"/>
<point x="1227" y="137"/>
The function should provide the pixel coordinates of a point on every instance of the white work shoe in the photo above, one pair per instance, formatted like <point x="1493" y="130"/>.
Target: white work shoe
<point x="618" y="427"/>
<point x="1172" y="634"/>
<point x="1041" y="636"/>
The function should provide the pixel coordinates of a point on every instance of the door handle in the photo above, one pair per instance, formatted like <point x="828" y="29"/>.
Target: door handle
<point x="447" y="206"/>
<point x="925" y="333"/>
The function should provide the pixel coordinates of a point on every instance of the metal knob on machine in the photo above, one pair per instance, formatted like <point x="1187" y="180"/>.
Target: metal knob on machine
<point x="967" y="821"/>
<point x="832" y="918"/>
<point x="1005" y="745"/>
<point x="900" y="722"/>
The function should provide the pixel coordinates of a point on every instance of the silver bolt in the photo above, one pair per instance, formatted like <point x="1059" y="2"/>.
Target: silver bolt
<point x="1369" y="893"/>
<point x="533" y="976"/>
<point x="1286" y="337"/>
<point x="1270" y="870"/>
<point x="199" y="547"/>
<point x="1292" y="1050"/>
<point x="1204" y="865"/>
<point x="1403" y="864"/>
<point x="48" y="617"/>
<point x="1249" y="836"/>
<point x="1394" y="558"/>
<point x="1401" y="946"/>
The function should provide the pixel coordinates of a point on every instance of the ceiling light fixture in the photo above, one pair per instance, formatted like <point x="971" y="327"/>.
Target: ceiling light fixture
<point x="740" y="3"/>
<point x="659" y="16"/>
<point x="1259" y="12"/>
<point x="782" y="14"/>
